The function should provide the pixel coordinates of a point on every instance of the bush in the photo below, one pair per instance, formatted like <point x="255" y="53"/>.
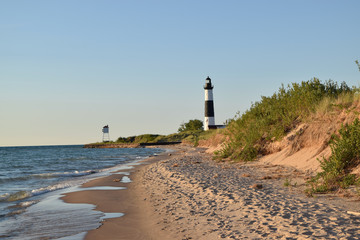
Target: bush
<point x="144" y="138"/>
<point x="192" y="125"/>
<point x="345" y="155"/>
<point x="273" y="117"/>
<point x="345" y="150"/>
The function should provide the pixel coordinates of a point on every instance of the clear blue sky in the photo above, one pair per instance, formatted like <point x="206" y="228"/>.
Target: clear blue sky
<point x="69" y="67"/>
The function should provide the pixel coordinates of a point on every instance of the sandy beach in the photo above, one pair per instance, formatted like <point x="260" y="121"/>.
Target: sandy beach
<point x="187" y="195"/>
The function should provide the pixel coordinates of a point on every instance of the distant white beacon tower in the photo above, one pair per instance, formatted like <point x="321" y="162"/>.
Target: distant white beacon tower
<point x="209" y="122"/>
<point x="106" y="135"/>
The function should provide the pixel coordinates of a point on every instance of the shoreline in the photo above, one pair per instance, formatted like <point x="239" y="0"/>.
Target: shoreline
<point x="136" y="223"/>
<point x="189" y="196"/>
<point x="129" y="145"/>
<point x="34" y="194"/>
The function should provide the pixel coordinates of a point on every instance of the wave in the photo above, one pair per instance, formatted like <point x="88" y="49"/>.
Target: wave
<point x="19" y="208"/>
<point x="76" y="158"/>
<point x="64" y="174"/>
<point x="14" y="196"/>
<point x="24" y="204"/>
<point x="48" y="175"/>
<point x="51" y="188"/>
<point x="20" y="195"/>
<point x="23" y="194"/>
<point x="17" y="212"/>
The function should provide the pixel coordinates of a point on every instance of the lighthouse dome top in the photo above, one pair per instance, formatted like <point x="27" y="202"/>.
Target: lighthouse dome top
<point x="208" y="84"/>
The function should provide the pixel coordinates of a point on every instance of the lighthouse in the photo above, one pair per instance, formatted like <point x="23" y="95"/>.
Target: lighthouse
<point x="209" y="122"/>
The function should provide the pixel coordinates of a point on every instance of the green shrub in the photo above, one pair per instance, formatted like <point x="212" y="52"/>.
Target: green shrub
<point x="192" y="125"/>
<point x="345" y="155"/>
<point x="345" y="150"/>
<point x="125" y="139"/>
<point x="273" y="117"/>
<point x="287" y="182"/>
<point x="144" y="138"/>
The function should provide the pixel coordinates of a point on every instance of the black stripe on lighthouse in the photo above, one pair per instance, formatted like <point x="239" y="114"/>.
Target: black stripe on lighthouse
<point x="209" y="108"/>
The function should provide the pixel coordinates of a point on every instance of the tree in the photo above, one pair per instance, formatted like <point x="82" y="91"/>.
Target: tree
<point x="357" y="63"/>
<point x="192" y="125"/>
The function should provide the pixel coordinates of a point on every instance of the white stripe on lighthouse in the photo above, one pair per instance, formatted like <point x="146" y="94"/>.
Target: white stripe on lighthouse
<point x="209" y="121"/>
<point x="208" y="94"/>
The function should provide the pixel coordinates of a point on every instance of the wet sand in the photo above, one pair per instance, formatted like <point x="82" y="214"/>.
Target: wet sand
<point x="189" y="196"/>
<point x="138" y="221"/>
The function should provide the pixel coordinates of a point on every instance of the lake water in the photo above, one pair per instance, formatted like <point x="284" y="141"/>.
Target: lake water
<point x="33" y="178"/>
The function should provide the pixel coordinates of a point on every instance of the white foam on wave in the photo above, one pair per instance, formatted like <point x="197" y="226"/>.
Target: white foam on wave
<point x="26" y="194"/>
<point x="28" y="203"/>
<point x="51" y="188"/>
<point x="65" y="174"/>
<point x="15" y="196"/>
<point x="20" y="207"/>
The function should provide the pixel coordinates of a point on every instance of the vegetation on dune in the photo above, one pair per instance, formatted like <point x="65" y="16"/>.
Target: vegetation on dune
<point x="192" y="125"/>
<point x="144" y="138"/>
<point x="273" y="117"/>
<point x="345" y="155"/>
<point x="180" y="136"/>
<point x="190" y="132"/>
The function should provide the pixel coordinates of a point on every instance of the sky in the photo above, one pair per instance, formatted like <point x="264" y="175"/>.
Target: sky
<point x="69" y="67"/>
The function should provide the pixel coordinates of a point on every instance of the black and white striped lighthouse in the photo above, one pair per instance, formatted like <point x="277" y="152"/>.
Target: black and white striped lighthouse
<point x="209" y="122"/>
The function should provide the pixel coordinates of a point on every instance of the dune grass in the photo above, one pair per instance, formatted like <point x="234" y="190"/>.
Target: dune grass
<point x="273" y="117"/>
<point x="345" y="155"/>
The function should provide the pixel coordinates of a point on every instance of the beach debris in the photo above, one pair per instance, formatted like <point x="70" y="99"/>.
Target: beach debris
<point x="257" y="186"/>
<point x="169" y="154"/>
<point x="245" y="175"/>
<point x="265" y="177"/>
<point x="175" y="165"/>
<point x="216" y="176"/>
<point x="116" y="180"/>
<point x="277" y="176"/>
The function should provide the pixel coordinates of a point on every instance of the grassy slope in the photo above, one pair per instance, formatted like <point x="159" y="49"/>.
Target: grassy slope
<point x="273" y="117"/>
<point x="299" y="116"/>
